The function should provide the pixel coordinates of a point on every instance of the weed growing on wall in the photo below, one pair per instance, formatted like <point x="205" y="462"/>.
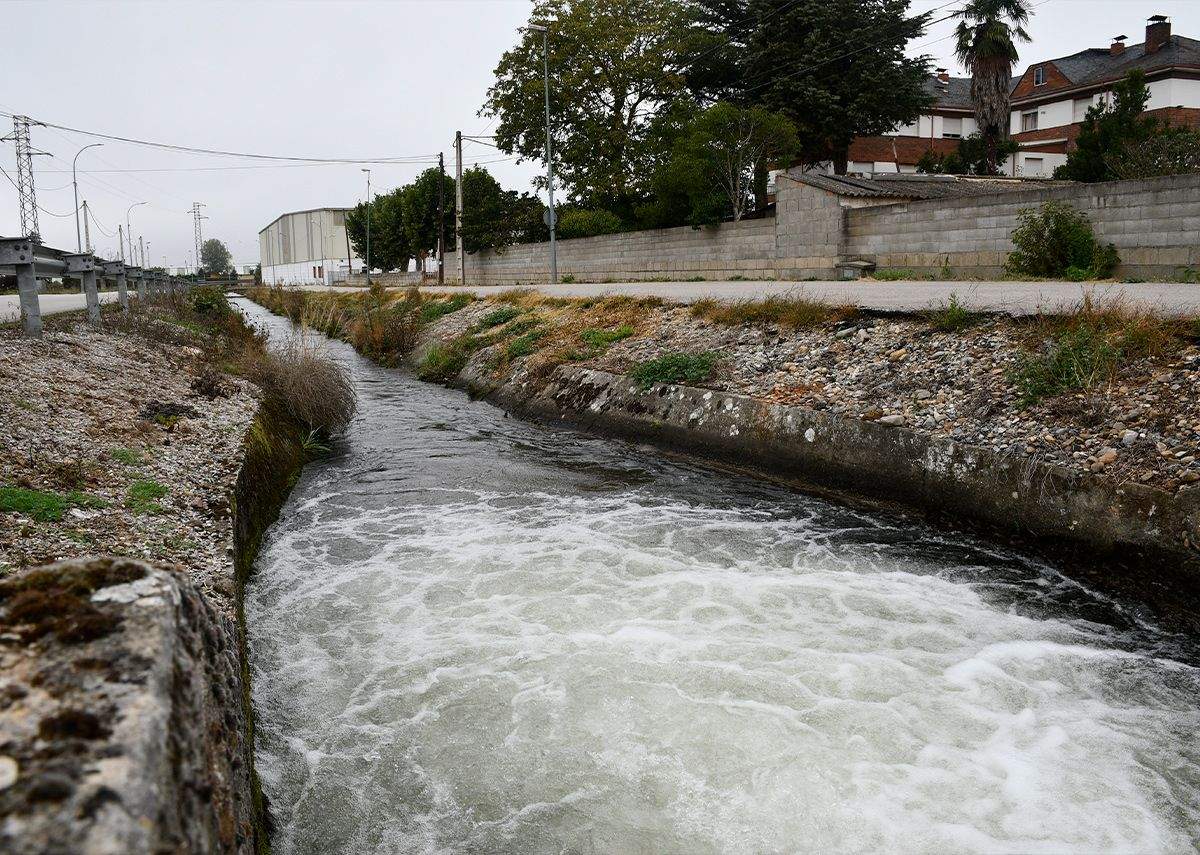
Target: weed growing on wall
<point x="674" y="368"/>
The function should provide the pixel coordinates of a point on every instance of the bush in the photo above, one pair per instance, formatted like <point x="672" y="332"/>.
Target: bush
<point x="674" y="368"/>
<point x="301" y="381"/>
<point x="444" y="362"/>
<point x="1055" y="238"/>
<point x="1077" y="358"/>
<point x="209" y="300"/>
<point x="577" y="223"/>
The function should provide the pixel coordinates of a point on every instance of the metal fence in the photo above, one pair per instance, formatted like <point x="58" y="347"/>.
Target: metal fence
<point x="30" y="261"/>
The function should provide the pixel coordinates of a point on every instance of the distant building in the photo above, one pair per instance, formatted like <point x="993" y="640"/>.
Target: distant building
<point x="307" y="248"/>
<point x="1049" y="102"/>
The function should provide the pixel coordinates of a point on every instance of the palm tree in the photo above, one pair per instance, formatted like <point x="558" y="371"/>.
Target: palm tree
<point x="986" y="32"/>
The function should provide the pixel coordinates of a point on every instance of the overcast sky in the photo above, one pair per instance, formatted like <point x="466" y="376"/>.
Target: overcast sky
<point x="312" y="79"/>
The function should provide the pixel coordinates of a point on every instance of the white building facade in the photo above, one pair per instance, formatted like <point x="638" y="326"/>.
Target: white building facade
<point x="307" y="248"/>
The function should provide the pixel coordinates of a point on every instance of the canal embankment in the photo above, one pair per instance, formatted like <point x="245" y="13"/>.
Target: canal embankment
<point x="1077" y="431"/>
<point x="140" y="465"/>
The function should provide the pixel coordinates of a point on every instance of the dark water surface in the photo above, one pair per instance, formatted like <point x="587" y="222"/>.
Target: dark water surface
<point x="472" y="634"/>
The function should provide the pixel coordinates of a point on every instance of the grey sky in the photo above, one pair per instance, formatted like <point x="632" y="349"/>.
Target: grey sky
<point x="313" y="79"/>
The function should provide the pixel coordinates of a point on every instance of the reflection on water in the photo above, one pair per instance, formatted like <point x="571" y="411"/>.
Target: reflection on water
<point x="469" y="634"/>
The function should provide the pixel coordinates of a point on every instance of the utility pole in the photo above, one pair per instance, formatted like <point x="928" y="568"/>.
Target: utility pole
<point x="441" y="219"/>
<point x="87" y="237"/>
<point x="121" y="240"/>
<point x="75" y="184"/>
<point x="142" y="247"/>
<point x="368" y="226"/>
<point x="26" y="194"/>
<point x="129" y="231"/>
<point x="552" y="218"/>
<point x="197" y="236"/>
<point x="458" y="209"/>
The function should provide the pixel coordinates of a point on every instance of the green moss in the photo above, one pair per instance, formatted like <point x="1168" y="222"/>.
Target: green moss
<point x="44" y="506"/>
<point x="674" y="368"/>
<point x="127" y="456"/>
<point x="143" y="497"/>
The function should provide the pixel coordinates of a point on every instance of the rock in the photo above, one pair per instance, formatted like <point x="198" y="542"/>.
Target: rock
<point x="922" y="394"/>
<point x="897" y="355"/>
<point x="893" y="420"/>
<point x="846" y="333"/>
<point x="8" y="772"/>
<point x="1190" y="477"/>
<point x="872" y="415"/>
<point x="1129" y="437"/>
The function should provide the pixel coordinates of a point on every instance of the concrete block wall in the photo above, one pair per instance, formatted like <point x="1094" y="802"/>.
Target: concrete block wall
<point x="809" y="232"/>
<point x="744" y="249"/>
<point x="1155" y="225"/>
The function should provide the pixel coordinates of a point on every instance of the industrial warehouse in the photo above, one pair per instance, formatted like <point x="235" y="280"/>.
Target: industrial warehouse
<point x="307" y="248"/>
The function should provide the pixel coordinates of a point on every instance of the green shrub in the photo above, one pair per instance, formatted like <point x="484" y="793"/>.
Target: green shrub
<point x="500" y="316"/>
<point x="894" y="274"/>
<point x="1055" y="238"/>
<point x="577" y="223"/>
<point x="567" y="279"/>
<point x="444" y="362"/>
<point x="674" y="368"/>
<point x="44" y="506"/>
<point x="209" y="300"/>
<point x="143" y="497"/>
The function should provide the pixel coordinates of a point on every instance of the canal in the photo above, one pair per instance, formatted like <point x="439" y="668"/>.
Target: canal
<point x="470" y="634"/>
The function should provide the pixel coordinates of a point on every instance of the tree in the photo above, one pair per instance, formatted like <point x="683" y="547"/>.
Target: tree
<point x="836" y="68"/>
<point x="985" y="46"/>
<point x="609" y="62"/>
<point x="419" y="211"/>
<point x="390" y="249"/>
<point x="1109" y="130"/>
<point x="1171" y="151"/>
<point x="715" y="158"/>
<point x="215" y="258"/>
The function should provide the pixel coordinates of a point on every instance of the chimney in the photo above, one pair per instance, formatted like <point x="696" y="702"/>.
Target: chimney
<point x="1158" y="32"/>
<point x="943" y="75"/>
<point x="1118" y="45"/>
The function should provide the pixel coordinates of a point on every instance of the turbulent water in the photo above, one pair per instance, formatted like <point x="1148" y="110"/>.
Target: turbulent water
<point x="473" y="635"/>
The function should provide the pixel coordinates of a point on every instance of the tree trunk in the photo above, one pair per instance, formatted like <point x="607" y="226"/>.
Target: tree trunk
<point x="759" y="188"/>
<point x="841" y="159"/>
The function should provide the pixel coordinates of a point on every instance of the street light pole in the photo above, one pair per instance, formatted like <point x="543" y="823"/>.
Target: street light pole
<point x="75" y="184"/>
<point x="553" y="217"/>
<point x="129" y="231"/>
<point x="368" y="226"/>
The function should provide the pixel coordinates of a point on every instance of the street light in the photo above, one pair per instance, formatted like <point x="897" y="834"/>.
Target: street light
<point x="129" y="231"/>
<point x="75" y="184"/>
<point x="552" y="218"/>
<point x="368" y="226"/>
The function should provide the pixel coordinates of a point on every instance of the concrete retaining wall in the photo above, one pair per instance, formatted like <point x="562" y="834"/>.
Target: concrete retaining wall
<point x="1155" y="225"/>
<point x="744" y="249"/>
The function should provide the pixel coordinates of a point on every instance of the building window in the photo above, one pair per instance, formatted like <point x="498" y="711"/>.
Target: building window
<point x="1039" y="75"/>
<point x="1029" y="121"/>
<point x="1080" y="108"/>
<point x="952" y="128"/>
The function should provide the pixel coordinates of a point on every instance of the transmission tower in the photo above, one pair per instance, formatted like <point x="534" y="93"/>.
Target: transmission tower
<point x="197" y="216"/>
<point x="25" y="190"/>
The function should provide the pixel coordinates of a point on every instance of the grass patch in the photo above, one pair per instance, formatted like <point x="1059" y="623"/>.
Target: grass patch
<point x="674" y="368"/>
<point x="431" y="310"/>
<point x="143" y="497"/>
<point x="787" y="312"/>
<point x="894" y="274"/>
<point x="601" y="339"/>
<point x="127" y="456"/>
<point x="524" y="345"/>
<point x="44" y="506"/>
<point x="952" y="316"/>
<point x="444" y="362"/>
<point x="499" y="316"/>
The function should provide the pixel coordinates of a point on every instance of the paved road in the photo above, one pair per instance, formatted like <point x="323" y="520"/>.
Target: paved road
<point x="10" y="306"/>
<point x="1014" y="297"/>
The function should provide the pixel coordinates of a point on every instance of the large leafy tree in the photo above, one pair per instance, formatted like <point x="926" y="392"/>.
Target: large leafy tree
<point x="610" y="64"/>
<point x="215" y="257"/>
<point x="390" y="249"/>
<point x="836" y="68"/>
<point x="493" y="217"/>
<point x="714" y="159"/>
<point x="1108" y="130"/>
<point x="985" y="42"/>
<point x="419" y="207"/>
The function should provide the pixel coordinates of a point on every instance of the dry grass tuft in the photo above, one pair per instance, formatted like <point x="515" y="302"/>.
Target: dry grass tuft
<point x="299" y="379"/>
<point x="786" y="312"/>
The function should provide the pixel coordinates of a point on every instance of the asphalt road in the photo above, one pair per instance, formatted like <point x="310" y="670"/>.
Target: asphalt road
<point x="10" y="305"/>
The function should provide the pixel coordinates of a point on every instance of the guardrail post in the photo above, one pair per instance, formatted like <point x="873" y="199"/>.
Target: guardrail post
<point x="83" y="265"/>
<point x="140" y="280"/>
<point x="19" y="253"/>
<point x="116" y="270"/>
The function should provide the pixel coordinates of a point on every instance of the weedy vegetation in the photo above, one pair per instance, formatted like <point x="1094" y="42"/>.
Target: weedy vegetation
<point x="688" y="368"/>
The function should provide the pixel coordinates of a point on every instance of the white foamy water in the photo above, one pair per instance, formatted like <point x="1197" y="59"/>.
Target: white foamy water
<point x="473" y="635"/>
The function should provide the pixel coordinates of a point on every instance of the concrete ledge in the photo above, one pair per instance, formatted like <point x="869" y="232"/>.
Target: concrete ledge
<point x="1095" y="517"/>
<point x="120" y="711"/>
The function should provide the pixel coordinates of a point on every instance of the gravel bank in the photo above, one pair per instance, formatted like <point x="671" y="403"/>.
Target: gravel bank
<point x="140" y="454"/>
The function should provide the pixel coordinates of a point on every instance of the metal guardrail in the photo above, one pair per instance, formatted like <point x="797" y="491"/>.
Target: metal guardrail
<point x="31" y="261"/>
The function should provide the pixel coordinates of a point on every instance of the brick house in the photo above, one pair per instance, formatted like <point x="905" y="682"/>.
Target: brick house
<point x="1049" y="102"/>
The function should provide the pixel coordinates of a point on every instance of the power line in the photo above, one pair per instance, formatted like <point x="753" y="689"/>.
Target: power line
<point x="218" y="168"/>
<point x="39" y="207"/>
<point x="223" y="153"/>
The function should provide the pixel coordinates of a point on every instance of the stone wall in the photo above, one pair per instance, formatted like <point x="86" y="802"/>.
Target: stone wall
<point x="1155" y="225"/>
<point x="745" y="249"/>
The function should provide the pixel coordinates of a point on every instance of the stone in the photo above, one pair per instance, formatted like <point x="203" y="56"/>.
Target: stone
<point x="1129" y="437"/>
<point x="893" y="420"/>
<point x="922" y="394"/>
<point x="8" y="772"/>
